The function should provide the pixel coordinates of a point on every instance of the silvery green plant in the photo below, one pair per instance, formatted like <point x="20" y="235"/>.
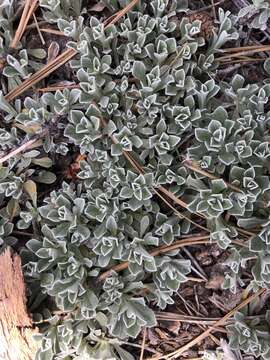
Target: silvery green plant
<point x="255" y="257"/>
<point x="6" y="229"/>
<point x="147" y="89"/>
<point x="257" y="14"/>
<point x="86" y="231"/>
<point x="61" y="9"/>
<point x="250" y="336"/>
<point x="19" y="64"/>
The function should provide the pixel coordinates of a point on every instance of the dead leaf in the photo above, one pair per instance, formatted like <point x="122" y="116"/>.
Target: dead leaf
<point x="13" y="208"/>
<point x="215" y="282"/>
<point x="53" y="51"/>
<point x="152" y="337"/>
<point x="30" y="188"/>
<point x="162" y="334"/>
<point x="174" y="327"/>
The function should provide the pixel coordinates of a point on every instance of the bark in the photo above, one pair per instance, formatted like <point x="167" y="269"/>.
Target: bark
<point x="16" y="328"/>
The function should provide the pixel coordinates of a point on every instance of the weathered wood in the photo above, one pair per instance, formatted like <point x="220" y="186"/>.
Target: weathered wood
<point x="16" y="328"/>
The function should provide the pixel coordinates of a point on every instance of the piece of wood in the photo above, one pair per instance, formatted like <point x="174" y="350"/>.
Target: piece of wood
<point x="16" y="328"/>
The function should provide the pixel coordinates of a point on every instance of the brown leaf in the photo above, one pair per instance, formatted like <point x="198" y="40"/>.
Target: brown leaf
<point x="215" y="282"/>
<point x="162" y="334"/>
<point x="13" y="208"/>
<point x="152" y="337"/>
<point x="53" y="51"/>
<point x="30" y="188"/>
<point x="174" y="327"/>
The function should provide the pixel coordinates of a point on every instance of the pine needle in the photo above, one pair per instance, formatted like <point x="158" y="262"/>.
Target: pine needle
<point x="195" y="240"/>
<point x="192" y="165"/>
<point x="41" y="74"/>
<point x="18" y="150"/>
<point x="58" y="87"/>
<point x="143" y="343"/>
<point x="52" y="31"/>
<point x="245" y="52"/>
<point x="29" y="8"/>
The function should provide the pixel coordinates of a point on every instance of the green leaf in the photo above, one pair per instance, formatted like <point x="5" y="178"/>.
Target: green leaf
<point x="44" y="162"/>
<point x="139" y="70"/>
<point x="144" y="223"/>
<point x="46" y="177"/>
<point x="124" y="355"/>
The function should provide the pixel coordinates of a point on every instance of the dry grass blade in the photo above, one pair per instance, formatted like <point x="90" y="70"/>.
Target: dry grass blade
<point x="244" y="48"/>
<point x="242" y="61"/>
<point x="157" y="191"/>
<point x="58" y="87"/>
<point x="180" y="215"/>
<point x="207" y="7"/>
<point x="169" y="316"/>
<point x="29" y="8"/>
<point x="175" y="354"/>
<point x="166" y="316"/>
<point x="41" y="74"/>
<point x="38" y="30"/>
<point x="245" y="52"/>
<point x="52" y="31"/>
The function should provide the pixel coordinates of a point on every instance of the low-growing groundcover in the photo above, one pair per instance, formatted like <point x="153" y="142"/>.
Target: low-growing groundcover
<point x="154" y="132"/>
